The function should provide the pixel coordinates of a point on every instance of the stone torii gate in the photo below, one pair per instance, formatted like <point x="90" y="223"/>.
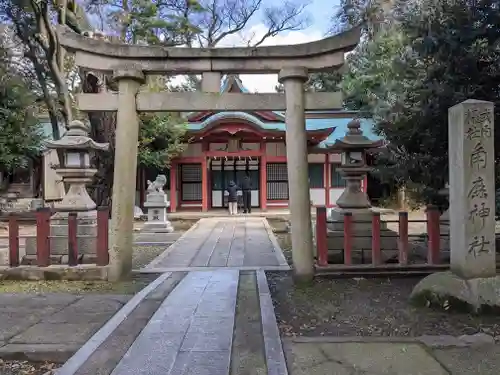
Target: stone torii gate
<point x="130" y="66"/>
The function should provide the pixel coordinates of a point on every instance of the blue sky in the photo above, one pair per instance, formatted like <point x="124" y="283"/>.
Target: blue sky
<point x="321" y="12"/>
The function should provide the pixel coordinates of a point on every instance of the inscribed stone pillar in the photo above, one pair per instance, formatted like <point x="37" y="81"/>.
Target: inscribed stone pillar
<point x="472" y="189"/>
<point x="124" y="178"/>
<point x="293" y="80"/>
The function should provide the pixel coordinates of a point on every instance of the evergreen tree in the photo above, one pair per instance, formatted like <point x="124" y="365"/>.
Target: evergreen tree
<point x="21" y="136"/>
<point x="431" y="56"/>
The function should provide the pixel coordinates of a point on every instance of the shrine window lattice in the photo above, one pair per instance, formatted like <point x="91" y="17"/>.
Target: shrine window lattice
<point x="277" y="181"/>
<point x="191" y="182"/>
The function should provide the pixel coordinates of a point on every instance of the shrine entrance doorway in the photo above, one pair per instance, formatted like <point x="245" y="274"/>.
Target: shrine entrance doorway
<point x="233" y="168"/>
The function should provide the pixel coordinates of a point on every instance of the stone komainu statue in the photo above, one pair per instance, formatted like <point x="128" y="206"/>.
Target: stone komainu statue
<point x="157" y="184"/>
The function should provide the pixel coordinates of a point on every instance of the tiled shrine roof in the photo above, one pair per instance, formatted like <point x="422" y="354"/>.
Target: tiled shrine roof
<point x="315" y="120"/>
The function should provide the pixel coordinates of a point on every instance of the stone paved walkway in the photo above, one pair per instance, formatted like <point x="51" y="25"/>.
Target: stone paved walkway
<point x="210" y="316"/>
<point x="224" y="242"/>
<point x="52" y="325"/>
<point x="191" y="332"/>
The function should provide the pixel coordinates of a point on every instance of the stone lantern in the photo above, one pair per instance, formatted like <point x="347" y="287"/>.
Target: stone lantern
<point x="353" y="147"/>
<point x="76" y="172"/>
<point x="353" y="200"/>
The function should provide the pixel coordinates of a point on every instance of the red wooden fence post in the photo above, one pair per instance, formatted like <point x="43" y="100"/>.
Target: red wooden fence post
<point x="321" y="236"/>
<point x="434" y="235"/>
<point x="42" y="237"/>
<point x="13" y="241"/>
<point x="72" y="239"/>
<point x="376" y="238"/>
<point x="403" y="238"/>
<point x="347" y="238"/>
<point x="102" y="236"/>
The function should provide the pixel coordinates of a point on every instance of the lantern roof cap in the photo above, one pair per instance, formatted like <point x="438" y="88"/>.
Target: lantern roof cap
<point x="354" y="138"/>
<point x="76" y="137"/>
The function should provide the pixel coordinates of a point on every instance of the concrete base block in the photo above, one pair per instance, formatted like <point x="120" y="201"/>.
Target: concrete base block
<point x="4" y="257"/>
<point x="444" y="230"/>
<point x="55" y="272"/>
<point x="361" y="246"/>
<point x="30" y="260"/>
<point x="362" y="220"/>
<point x="447" y="291"/>
<point x="59" y="245"/>
<point x="86" y="237"/>
<point x="157" y="227"/>
<point x="82" y="229"/>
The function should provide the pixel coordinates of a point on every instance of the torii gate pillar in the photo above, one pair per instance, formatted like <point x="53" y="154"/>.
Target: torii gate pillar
<point x="293" y="80"/>
<point x="124" y="175"/>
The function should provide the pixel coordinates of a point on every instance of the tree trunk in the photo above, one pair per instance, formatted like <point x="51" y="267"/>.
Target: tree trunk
<point x="103" y="126"/>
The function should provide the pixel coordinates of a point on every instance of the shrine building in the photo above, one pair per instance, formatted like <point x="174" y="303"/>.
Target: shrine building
<point x="226" y="146"/>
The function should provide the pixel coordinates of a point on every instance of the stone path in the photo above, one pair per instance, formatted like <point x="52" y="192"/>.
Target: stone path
<point x="241" y="242"/>
<point x="205" y="322"/>
<point x="191" y="331"/>
<point x="209" y="315"/>
<point x="361" y="358"/>
<point x="52" y="326"/>
<point x="389" y="356"/>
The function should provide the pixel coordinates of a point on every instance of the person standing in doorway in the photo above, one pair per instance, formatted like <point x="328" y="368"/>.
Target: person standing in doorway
<point x="232" y="198"/>
<point x="246" y="187"/>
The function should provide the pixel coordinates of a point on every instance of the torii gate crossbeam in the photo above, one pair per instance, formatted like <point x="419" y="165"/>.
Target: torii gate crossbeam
<point x="132" y="64"/>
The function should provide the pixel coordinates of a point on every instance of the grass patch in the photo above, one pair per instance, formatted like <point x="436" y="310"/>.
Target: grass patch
<point x="285" y="242"/>
<point x="143" y="255"/>
<point x="280" y="230"/>
<point x="278" y="224"/>
<point x="74" y="287"/>
<point x="182" y="225"/>
<point x="247" y="355"/>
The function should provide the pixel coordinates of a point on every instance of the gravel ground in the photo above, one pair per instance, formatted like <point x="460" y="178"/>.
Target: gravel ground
<point x="143" y="255"/>
<point x="362" y="307"/>
<point x="26" y="368"/>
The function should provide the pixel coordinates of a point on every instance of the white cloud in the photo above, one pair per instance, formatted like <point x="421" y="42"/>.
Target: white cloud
<point x="268" y="82"/>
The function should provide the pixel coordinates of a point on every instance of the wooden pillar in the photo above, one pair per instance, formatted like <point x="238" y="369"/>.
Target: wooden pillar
<point x="173" y="187"/>
<point x="204" y="175"/>
<point x="365" y="184"/>
<point x="263" y="177"/>
<point x="209" y="185"/>
<point x="328" y="180"/>
<point x="204" y="183"/>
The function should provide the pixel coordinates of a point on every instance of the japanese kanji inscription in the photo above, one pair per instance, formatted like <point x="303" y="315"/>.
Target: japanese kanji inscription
<point x="472" y="189"/>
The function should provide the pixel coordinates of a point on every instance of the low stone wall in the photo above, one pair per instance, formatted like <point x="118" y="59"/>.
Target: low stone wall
<point x="30" y="259"/>
<point x="55" y="272"/>
<point x="361" y="250"/>
<point x="86" y="244"/>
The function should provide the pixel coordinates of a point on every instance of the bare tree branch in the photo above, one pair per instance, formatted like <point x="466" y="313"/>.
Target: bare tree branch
<point x="286" y="17"/>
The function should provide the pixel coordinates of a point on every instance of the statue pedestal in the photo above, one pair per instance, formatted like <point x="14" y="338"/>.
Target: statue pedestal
<point x="156" y="204"/>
